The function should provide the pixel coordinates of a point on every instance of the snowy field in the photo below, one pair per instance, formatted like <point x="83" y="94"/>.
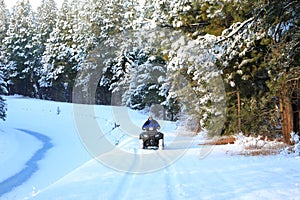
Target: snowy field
<point x="51" y="150"/>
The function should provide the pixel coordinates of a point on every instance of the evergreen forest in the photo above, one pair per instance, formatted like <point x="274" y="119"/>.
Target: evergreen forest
<point x="227" y="66"/>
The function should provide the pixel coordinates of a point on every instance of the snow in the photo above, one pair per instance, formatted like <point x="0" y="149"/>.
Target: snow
<point x="35" y="3"/>
<point x="10" y="146"/>
<point x="68" y="168"/>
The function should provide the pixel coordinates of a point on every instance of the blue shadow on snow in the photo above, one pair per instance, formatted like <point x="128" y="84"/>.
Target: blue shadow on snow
<point x="31" y="166"/>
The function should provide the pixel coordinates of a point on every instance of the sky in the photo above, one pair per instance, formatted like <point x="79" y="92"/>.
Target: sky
<point x="34" y="3"/>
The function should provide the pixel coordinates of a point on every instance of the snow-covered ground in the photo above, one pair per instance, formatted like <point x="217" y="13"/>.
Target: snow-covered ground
<point x="52" y="150"/>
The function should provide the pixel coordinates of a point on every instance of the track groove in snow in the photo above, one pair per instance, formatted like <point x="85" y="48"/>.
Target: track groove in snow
<point x="173" y="184"/>
<point x="127" y="181"/>
<point x="31" y="165"/>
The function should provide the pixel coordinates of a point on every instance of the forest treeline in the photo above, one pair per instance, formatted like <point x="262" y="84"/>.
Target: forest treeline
<point x="223" y="65"/>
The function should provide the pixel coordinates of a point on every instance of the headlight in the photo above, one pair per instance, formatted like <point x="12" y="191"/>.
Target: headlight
<point x="156" y="135"/>
<point x="145" y="136"/>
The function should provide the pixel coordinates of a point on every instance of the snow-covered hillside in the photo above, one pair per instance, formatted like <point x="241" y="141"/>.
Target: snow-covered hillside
<point x="49" y="150"/>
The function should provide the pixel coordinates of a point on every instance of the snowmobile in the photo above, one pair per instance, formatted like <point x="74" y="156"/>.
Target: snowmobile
<point x="151" y="139"/>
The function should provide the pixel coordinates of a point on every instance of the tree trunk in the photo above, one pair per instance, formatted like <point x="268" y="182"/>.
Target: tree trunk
<point x="239" y="111"/>
<point x="286" y="113"/>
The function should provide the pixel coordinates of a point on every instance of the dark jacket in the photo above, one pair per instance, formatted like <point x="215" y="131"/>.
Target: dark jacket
<point x="151" y="124"/>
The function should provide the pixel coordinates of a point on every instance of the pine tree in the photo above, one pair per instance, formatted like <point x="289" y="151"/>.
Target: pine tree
<point x="112" y="24"/>
<point x="46" y="20"/>
<point x="21" y="47"/>
<point x="284" y="61"/>
<point x="195" y="83"/>
<point x="199" y="17"/>
<point x="256" y="66"/>
<point x="59" y="59"/>
<point x="4" y="21"/>
<point x="3" y="29"/>
<point x="147" y="75"/>
<point x="90" y="54"/>
<point x="193" y="65"/>
<point x="247" y="74"/>
<point x="3" y="90"/>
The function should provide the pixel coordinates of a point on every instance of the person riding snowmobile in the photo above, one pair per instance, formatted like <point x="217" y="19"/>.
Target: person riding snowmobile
<point x="151" y="137"/>
<point x="151" y="124"/>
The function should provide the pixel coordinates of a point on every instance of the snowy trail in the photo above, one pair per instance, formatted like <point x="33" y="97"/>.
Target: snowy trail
<point x="31" y="166"/>
<point x="215" y="177"/>
<point x="164" y="181"/>
<point x="170" y="179"/>
<point x="146" y="184"/>
<point x="127" y="180"/>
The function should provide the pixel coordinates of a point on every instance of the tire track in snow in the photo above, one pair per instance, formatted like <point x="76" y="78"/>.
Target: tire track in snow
<point x="127" y="186"/>
<point x="173" y="187"/>
<point x="126" y="182"/>
<point x="31" y="166"/>
<point x="174" y="191"/>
